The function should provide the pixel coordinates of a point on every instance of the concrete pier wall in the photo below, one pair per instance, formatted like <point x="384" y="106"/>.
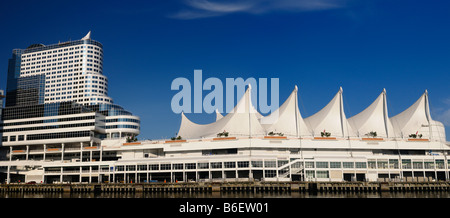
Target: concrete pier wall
<point x="233" y="187"/>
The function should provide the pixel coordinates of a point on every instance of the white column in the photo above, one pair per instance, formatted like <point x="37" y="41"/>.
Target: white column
<point x="28" y="151"/>
<point x="101" y="153"/>
<point x="62" y="152"/>
<point x="61" y="175"/>
<point x="45" y="151"/>
<point x="81" y="172"/>
<point x="8" y="179"/>
<point x="81" y="152"/>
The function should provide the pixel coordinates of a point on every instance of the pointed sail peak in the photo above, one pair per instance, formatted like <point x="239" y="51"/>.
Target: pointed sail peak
<point x="341" y="90"/>
<point x="331" y="118"/>
<point x="384" y="91"/>
<point x="218" y="115"/>
<point x="287" y="119"/>
<point x="87" y="36"/>
<point x="373" y="118"/>
<point x="414" y="119"/>
<point x="295" y="88"/>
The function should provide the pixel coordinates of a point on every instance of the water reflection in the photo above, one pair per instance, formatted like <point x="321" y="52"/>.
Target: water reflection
<point x="230" y="195"/>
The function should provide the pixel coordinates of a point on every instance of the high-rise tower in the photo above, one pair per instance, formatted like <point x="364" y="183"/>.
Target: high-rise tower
<point x="58" y="94"/>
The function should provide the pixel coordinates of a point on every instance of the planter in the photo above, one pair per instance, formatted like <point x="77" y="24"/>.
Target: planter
<point x="372" y="139"/>
<point x="132" y="143"/>
<point x="418" y="140"/>
<point x="224" y="138"/>
<point x="325" y="138"/>
<point x="175" y="141"/>
<point x="275" y="137"/>
<point x="53" y="149"/>
<point x="92" y="147"/>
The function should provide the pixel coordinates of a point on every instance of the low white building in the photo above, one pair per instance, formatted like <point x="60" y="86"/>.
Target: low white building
<point x="59" y="125"/>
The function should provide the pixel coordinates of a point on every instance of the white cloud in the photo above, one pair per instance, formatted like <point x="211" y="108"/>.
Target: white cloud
<point x="210" y="8"/>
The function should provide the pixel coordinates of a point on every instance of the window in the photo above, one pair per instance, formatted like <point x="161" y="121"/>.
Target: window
<point x="203" y="165"/>
<point x="165" y="166"/>
<point x="309" y="164"/>
<point x="230" y="164"/>
<point x="382" y="164"/>
<point x="335" y="164"/>
<point x="322" y="174"/>
<point x="393" y="163"/>
<point x="270" y="163"/>
<point x="310" y="174"/>
<point x="270" y="173"/>
<point x="406" y="164"/>
<point x="257" y="164"/>
<point x="216" y="165"/>
<point x="154" y="167"/>
<point x="372" y="164"/>
<point x="243" y="164"/>
<point x="429" y="164"/>
<point x="440" y="164"/>
<point x="361" y="165"/>
<point x="178" y="166"/>
<point x="321" y="164"/>
<point x="282" y="162"/>
<point x="190" y="166"/>
<point x="348" y="164"/>
<point x="417" y="165"/>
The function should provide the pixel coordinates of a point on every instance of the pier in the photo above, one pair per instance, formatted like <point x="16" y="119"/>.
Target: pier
<point x="231" y="187"/>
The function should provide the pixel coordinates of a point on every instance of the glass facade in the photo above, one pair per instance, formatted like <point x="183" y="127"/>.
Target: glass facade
<point x="43" y="110"/>
<point x="14" y="64"/>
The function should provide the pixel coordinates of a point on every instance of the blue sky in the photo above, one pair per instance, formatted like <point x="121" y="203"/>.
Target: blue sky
<point x="363" y="46"/>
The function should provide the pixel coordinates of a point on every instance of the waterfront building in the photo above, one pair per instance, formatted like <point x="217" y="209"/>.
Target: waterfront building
<point x="84" y="138"/>
<point x="57" y="101"/>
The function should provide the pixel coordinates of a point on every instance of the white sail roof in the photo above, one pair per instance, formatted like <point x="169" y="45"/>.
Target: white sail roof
<point x="331" y="119"/>
<point x="245" y="120"/>
<point x="242" y="121"/>
<point x="287" y="119"/>
<point x="373" y="118"/>
<point x="417" y="120"/>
